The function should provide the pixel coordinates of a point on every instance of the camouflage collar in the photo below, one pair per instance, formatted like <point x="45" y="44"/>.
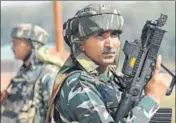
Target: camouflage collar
<point x="87" y="63"/>
<point x="90" y="66"/>
<point x="107" y="77"/>
<point x="103" y="77"/>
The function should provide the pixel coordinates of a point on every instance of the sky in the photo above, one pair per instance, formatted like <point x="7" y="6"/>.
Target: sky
<point x="25" y="3"/>
<point x="12" y="3"/>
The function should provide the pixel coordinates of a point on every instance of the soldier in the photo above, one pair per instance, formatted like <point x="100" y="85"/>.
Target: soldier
<point x="30" y="89"/>
<point x="89" y="93"/>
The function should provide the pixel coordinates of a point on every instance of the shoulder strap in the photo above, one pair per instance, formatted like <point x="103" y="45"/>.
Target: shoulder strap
<point x="62" y="75"/>
<point x="59" y="80"/>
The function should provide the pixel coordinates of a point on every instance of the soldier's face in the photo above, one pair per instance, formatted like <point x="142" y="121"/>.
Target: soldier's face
<point x="102" y="48"/>
<point x="20" y="48"/>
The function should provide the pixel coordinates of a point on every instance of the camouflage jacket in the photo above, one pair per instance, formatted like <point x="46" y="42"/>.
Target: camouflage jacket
<point x="29" y="94"/>
<point x="89" y="96"/>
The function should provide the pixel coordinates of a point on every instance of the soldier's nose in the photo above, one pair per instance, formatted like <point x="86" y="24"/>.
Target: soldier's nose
<point x="108" y="42"/>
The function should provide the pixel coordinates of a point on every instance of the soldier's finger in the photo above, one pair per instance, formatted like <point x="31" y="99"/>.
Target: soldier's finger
<point x="158" y="65"/>
<point x="166" y="78"/>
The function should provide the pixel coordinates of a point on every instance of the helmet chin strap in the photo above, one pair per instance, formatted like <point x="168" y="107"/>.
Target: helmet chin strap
<point x="29" y="41"/>
<point x="27" y="57"/>
<point x="35" y="47"/>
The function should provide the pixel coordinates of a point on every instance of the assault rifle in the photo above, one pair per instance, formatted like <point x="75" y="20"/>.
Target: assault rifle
<point x="139" y="63"/>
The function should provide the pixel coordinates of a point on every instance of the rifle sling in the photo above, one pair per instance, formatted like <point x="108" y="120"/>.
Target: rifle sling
<point x="59" y="80"/>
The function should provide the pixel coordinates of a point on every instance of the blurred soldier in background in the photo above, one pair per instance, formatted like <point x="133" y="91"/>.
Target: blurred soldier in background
<point x="29" y="91"/>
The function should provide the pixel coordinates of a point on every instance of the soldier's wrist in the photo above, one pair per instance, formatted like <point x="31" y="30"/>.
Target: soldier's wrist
<point x="155" y="97"/>
<point x="149" y="104"/>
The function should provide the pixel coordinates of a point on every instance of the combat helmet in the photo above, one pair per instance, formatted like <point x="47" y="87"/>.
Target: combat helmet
<point x="93" y="18"/>
<point x="87" y="21"/>
<point x="31" y="33"/>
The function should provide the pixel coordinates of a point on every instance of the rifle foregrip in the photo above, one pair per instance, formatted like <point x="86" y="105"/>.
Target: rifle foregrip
<point x="124" y="107"/>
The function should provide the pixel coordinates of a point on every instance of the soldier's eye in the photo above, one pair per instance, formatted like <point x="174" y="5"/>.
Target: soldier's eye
<point x="114" y="34"/>
<point x="100" y="35"/>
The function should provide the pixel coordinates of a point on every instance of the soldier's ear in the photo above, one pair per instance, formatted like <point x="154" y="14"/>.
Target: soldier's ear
<point x="29" y="46"/>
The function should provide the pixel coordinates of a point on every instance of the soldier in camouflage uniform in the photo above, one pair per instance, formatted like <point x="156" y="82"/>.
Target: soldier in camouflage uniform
<point x="90" y="93"/>
<point x="30" y="89"/>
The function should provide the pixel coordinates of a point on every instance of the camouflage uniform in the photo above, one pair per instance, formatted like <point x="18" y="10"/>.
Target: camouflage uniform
<point x="87" y="95"/>
<point x="31" y="88"/>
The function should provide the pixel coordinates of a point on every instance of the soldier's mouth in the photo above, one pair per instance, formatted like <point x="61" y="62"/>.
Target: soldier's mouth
<point x="107" y="53"/>
<point x="108" y="56"/>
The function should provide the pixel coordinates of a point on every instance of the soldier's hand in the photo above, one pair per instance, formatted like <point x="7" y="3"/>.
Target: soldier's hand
<point x="157" y="86"/>
<point x="4" y="94"/>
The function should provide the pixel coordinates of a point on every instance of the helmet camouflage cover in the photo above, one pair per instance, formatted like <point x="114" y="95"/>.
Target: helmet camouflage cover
<point x="29" y="31"/>
<point x="91" y="19"/>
